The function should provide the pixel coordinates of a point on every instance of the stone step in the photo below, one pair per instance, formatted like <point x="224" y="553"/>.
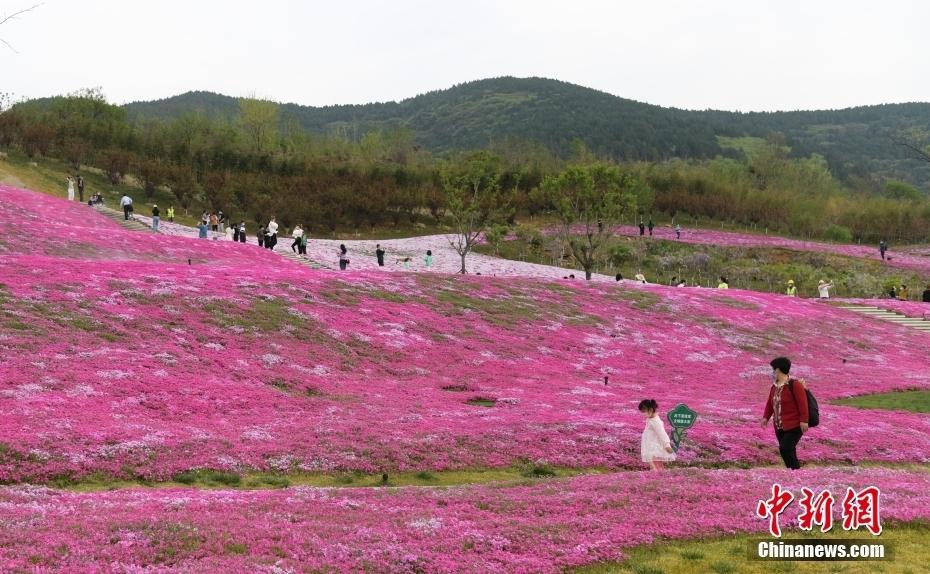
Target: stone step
<point x="914" y="323"/>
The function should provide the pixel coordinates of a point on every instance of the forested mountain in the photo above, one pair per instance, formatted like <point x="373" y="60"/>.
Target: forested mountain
<point x="855" y="142"/>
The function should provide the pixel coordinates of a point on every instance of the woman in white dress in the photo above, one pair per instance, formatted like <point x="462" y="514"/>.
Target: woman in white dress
<point x="656" y="447"/>
<point x="70" y="188"/>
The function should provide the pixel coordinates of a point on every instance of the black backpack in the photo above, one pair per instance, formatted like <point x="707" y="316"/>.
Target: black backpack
<point x="813" y="410"/>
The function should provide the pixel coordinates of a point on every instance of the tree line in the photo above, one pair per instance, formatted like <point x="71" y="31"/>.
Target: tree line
<point x="261" y="162"/>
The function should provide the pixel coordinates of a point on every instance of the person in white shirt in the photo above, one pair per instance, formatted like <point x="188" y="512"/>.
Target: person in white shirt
<point x="271" y="234"/>
<point x="126" y="203"/>
<point x="824" y="289"/>
<point x="296" y="235"/>
<point x="70" y="189"/>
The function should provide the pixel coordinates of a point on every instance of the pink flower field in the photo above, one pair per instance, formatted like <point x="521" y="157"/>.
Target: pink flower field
<point x="132" y="355"/>
<point x="513" y="529"/>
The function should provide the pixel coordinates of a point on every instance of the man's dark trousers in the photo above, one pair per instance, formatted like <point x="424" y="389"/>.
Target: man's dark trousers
<point x="787" y="446"/>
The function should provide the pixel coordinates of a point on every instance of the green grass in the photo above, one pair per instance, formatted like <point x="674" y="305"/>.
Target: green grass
<point x="253" y="480"/>
<point x="730" y="555"/>
<point x="914" y="401"/>
<point x="482" y="401"/>
<point x="759" y="269"/>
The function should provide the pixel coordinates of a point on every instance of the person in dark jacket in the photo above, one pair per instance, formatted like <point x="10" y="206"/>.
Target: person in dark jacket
<point x="379" y="253"/>
<point x="787" y="408"/>
<point x="926" y="295"/>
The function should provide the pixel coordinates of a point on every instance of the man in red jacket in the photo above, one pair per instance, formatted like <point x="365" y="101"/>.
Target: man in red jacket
<point x="787" y="406"/>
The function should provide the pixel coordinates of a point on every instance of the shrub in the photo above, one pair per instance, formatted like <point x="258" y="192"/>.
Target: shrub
<point x="838" y="233"/>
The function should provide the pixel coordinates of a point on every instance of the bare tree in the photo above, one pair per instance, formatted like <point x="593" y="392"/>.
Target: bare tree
<point x="473" y="202"/>
<point x="13" y="16"/>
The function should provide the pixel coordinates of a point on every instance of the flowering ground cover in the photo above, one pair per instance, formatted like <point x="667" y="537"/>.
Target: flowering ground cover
<point x="324" y="252"/>
<point x="133" y="355"/>
<point x="147" y="366"/>
<point x="534" y="528"/>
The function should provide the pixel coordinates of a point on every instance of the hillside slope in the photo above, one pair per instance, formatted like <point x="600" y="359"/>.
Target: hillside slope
<point x="554" y="113"/>
<point x="133" y="354"/>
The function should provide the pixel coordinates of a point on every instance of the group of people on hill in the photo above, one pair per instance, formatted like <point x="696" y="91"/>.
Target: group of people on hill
<point x="787" y="407"/>
<point x="651" y="226"/>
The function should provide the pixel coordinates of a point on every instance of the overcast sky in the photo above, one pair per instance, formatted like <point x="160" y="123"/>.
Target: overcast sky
<point x="735" y="55"/>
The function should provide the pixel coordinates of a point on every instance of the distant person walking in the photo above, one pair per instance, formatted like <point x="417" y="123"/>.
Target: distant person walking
<point x="80" y="186"/>
<point x="302" y="246"/>
<point x="155" y="217"/>
<point x="792" y="291"/>
<point x="655" y="446"/>
<point x="882" y="248"/>
<point x="221" y="220"/>
<point x="202" y="230"/>
<point x="126" y="203"/>
<point x="379" y="254"/>
<point x="724" y="284"/>
<point x="70" y="188"/>
<point x="296" y="235"/>
<point x="651" y="226"/>
<point x="678" y="231"/>
<point x="242" y="232"/>
<point x="823" y="288"/>
<point x="170" y="213"/>
<point x="214" y="222"/>
<point x="271" y="234"/>
<point x="787" y="408"/>
<point x="231" y="233"/>
<point x="235" y="229"/>
<point x="926" y="295"/>
<point x="343" y="257"/>
<point x="428" y="260"/>
<point x="642" y="228"/>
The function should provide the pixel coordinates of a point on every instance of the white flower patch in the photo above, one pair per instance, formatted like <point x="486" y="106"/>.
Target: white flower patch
<point x="296" y="313"/>
<point x="112" y="374"/>
<point x="428" y="525"/>
<point x="283" y="463"/>
<point x="160" y="373"/>
<point x="256" y="433"/>
<point x="81" y="390"/>
<point x="214" y="346"/>
<point x="270" y="359"/>
<point x="596" y="340"/>
<point x="700" y="357"/>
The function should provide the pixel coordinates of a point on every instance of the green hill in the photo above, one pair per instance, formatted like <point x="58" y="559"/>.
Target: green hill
<point x="855" y="141"/>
